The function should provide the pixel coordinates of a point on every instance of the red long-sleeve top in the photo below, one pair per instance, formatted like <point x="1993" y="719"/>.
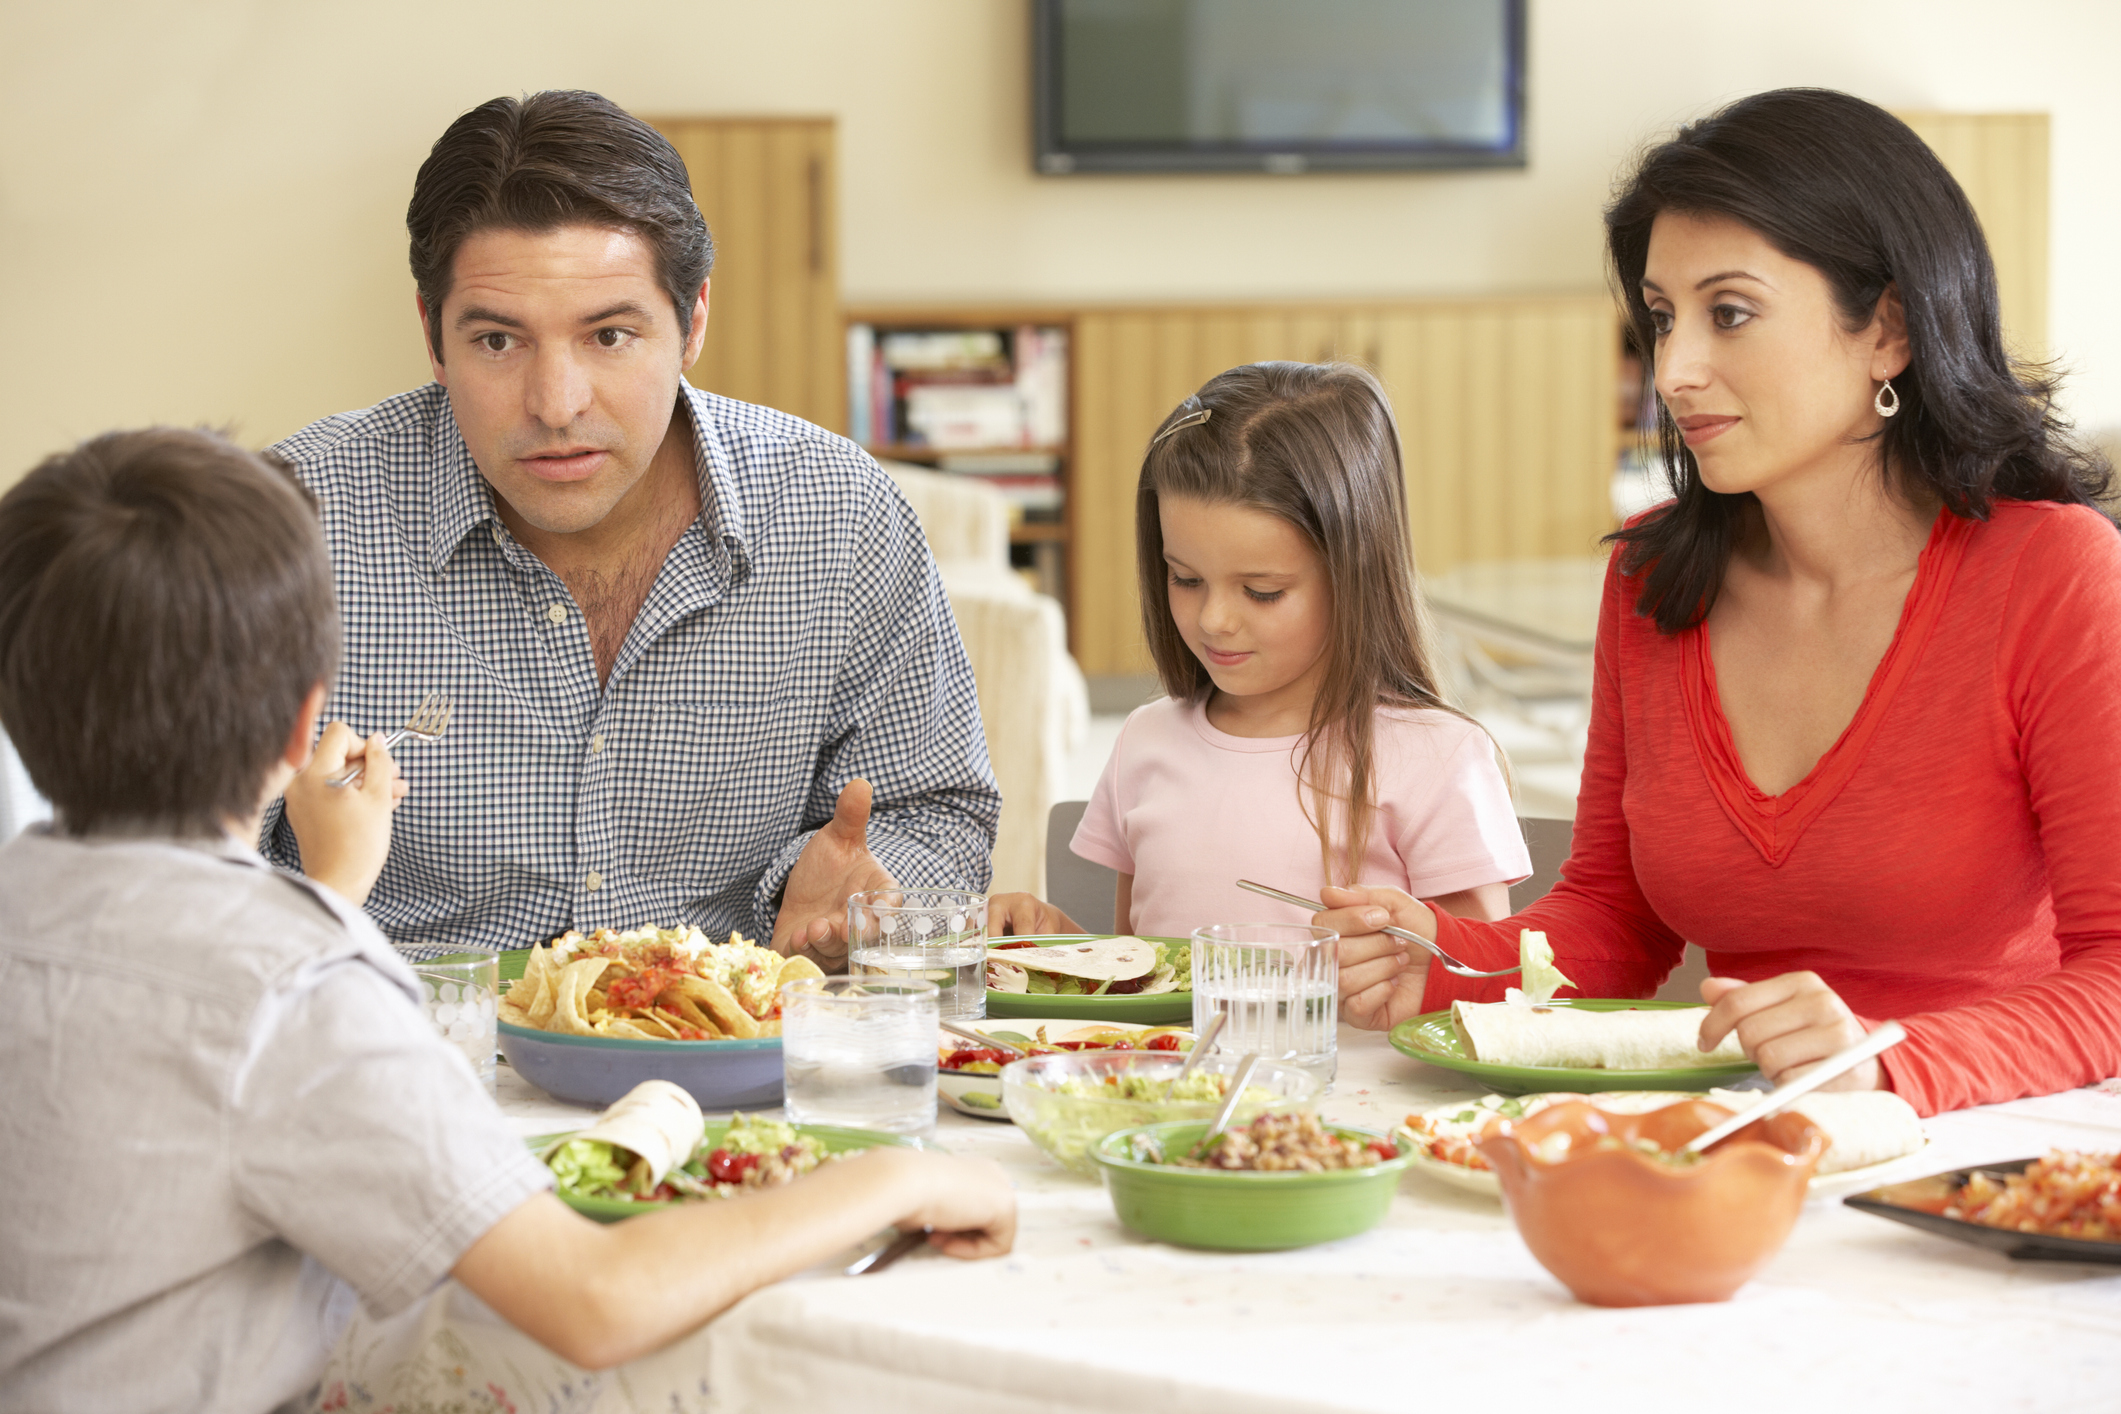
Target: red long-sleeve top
<point x="1954" y="861"/>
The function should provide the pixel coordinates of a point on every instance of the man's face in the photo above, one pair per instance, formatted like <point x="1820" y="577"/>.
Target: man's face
<point x="562" y="356"/>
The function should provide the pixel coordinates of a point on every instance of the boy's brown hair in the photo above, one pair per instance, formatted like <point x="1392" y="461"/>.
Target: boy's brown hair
<point x="165" y="607"/>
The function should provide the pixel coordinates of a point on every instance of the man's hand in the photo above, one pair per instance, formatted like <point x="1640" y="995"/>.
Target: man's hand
<point x="834" y="865"/>
<point x="1381" y="978"/>
<point x="1020" y="915"/>
<point x="344" y="831"/>
<point x="1787" y="1025"/>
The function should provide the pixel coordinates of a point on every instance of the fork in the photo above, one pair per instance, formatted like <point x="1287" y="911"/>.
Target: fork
<point x="1450" y="963"/>
<point x="426" y="724"/>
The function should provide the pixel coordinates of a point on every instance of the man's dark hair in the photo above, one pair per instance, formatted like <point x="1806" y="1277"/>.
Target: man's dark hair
<point x="165" y="607"/>
<point x="1851" y="191"/>
<point x="558" y="158"/>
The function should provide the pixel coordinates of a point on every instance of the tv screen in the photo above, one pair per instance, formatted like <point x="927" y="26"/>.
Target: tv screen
<point x="1277" y="86"/>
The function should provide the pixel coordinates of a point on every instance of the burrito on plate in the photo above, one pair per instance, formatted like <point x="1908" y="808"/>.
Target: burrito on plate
<point x="1500" y="1033"/>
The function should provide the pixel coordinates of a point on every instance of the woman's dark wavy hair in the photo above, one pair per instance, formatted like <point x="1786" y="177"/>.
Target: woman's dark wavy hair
<point x="1850" y="190"/>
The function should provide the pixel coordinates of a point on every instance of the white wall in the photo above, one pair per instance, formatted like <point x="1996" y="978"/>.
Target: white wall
<point x="201" y="203"/>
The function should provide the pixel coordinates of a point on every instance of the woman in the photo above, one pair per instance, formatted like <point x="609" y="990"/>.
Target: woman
<point x="1856" y="722"/>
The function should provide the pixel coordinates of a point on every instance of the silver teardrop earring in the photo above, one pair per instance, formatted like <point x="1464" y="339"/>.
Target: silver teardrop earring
<point x="1879" y="403"/>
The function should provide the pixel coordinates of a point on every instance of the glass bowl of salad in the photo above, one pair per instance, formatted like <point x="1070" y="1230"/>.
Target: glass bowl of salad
<point x="1068" y="1102"/>
<point x="968" y="1077"/>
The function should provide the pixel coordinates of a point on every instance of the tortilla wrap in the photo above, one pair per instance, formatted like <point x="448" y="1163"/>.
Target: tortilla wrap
<point x="1007" y="976"/>
<point x="1501" y="1034"/>
<point x="1866" y="1126"/>
<point x="1100" y="960"/>
<point x="655" y="1121"/>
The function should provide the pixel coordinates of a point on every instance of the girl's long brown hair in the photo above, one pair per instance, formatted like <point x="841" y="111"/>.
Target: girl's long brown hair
<point x="1315" y="445"/>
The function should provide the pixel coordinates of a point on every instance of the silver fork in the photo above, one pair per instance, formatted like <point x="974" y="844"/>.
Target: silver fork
<point x="1450" y="963"/>
<point x="426" y="724"/>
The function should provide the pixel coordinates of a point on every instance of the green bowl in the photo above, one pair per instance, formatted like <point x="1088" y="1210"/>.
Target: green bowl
<point x="1239" y="1210"/>
<point x="835" y="1138"/>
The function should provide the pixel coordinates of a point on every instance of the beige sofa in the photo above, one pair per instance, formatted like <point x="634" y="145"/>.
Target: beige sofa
<point x="1032" y="698"/>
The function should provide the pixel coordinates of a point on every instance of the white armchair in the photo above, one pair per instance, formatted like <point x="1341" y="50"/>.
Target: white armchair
<point x="1032" y="698"/>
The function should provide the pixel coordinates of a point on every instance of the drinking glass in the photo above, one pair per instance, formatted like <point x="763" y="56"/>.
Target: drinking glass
<point x="939" y="935"/>
<point x="462" y="991"/>
<point x="1278" y="988"/>
<point x="860" y="1051"/>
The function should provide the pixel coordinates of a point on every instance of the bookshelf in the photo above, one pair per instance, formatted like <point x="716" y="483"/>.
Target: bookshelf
<point x="983" y="392"/>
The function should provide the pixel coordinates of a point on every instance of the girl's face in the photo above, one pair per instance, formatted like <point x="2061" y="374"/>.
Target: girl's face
<point x="1250" y="598"/>
<point x="1752" y="359"/>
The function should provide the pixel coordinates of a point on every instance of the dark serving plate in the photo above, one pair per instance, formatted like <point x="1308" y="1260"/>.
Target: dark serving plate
<point x="1915" y="1201"/>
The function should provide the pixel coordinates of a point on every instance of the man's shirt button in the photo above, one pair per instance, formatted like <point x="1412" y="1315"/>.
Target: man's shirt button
<point x="557" y="613"/>
<point x="594" y="882"/>
<point x="596" y="743"/>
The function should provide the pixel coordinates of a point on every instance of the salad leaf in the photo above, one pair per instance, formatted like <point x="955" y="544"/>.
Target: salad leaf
<point x="1540" y="977"/>
<point x="587" y="1166"/>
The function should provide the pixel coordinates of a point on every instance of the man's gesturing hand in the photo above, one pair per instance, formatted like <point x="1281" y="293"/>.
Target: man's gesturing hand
<point x="835" y="864"/>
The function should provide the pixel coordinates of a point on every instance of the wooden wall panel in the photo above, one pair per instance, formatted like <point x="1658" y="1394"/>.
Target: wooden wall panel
<point x="767" y="187"/>
<point x="1505" y="410"/>
<point x="2001" y="160"/>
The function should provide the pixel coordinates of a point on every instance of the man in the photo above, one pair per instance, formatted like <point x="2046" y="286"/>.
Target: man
<point x="702" y="664"/>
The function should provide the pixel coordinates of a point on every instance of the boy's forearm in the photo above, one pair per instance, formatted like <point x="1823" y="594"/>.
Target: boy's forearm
<point x="602" y="1295"/>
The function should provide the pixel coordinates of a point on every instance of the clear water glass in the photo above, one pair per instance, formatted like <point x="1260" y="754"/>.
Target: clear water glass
<point x="937" y="935"/>
<point x="462" y="992"/>
<point x="860" y="1051"/>
<point x="1278" y="988"/>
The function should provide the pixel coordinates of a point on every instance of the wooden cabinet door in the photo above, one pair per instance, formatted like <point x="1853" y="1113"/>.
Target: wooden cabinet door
<point x="1505" y="411"/>
<point x="767" y="187"/>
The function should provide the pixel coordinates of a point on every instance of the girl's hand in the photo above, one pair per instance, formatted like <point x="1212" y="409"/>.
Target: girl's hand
<point x="1787" y="1025"/>
<point x="1020" y="915"/>
<point x="1381" y="978"/>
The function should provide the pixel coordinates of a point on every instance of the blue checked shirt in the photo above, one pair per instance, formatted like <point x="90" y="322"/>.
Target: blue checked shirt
<point x="797" y="637"/>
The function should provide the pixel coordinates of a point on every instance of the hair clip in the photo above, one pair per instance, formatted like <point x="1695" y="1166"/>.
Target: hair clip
<point x="1191" y="419"/>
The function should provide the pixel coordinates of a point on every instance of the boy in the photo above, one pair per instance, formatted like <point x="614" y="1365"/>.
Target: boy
<point x="232" y="1116"/>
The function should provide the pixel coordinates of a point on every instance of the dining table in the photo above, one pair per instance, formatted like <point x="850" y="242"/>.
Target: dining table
<point x="1438" y="1307"/>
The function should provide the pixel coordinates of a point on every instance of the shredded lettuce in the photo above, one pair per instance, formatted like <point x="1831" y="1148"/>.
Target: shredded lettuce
<point x="1541" y="979"/>
<point x="587" y="1166"/>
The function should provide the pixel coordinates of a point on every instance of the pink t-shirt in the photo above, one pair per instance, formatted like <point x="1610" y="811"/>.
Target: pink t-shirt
<point x="1189" y="810"/>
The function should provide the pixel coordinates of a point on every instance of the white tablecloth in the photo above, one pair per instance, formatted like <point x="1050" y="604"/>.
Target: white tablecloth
<point x="1440" y="1307"/>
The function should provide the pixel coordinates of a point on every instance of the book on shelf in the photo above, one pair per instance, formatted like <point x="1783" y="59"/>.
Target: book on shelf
<point x="956" y="389"/>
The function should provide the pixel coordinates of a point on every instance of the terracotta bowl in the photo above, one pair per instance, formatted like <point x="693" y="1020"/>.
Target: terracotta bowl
<point x="1621" y="1228"/>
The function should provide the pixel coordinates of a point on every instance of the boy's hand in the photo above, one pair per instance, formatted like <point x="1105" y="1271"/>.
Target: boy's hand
<point x="1381" y="978"/>
<point x="344" y="831"/>
<point x="1020" y="915"/>
<point x="968" y="1202"/>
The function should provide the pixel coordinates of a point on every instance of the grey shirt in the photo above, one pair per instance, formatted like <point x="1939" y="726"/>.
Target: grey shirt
<point x="225" y="1117"/>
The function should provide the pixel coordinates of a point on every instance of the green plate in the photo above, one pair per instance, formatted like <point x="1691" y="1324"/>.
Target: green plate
<point x="610" y="1210"/>
<point x="1434" y="1039"/>
<point x="1242" y="1211"/>
<point x="513" y="961"/>
<point x="1163" y="1009"/>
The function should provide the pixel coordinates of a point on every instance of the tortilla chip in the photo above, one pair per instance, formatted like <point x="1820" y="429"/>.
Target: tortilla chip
<point x="794" y="969"/>
<point x="686" y="1008"/>
<point x="514" y="1015"/>
<point x="576" y="978"/>
<point x="541" y="973"/>
<point x="632" y="1030"/>
<point x="658" y="1026"/>
<point x="770" y="1028"/>
<point x="721" y="1004"/>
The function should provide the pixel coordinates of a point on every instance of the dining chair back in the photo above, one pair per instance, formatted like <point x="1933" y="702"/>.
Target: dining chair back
<point x="1086" y="892"/>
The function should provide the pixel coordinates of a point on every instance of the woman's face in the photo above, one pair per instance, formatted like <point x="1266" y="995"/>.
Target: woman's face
<point x="1753" y="361"/>
<point x="1249" y="596"/>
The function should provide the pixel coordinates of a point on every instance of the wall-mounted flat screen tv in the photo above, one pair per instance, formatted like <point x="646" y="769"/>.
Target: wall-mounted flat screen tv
<point x="1278" y="85"/>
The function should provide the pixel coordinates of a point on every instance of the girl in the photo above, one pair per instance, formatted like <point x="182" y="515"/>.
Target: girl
<point x="1303" y="741"/>
<point x="1856" y="725"/>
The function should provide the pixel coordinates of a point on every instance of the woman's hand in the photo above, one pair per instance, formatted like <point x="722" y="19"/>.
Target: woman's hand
<point x="1787" y="1025"/>
<point x="1381" y="978"/>
<point x="1021" y="915"/>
